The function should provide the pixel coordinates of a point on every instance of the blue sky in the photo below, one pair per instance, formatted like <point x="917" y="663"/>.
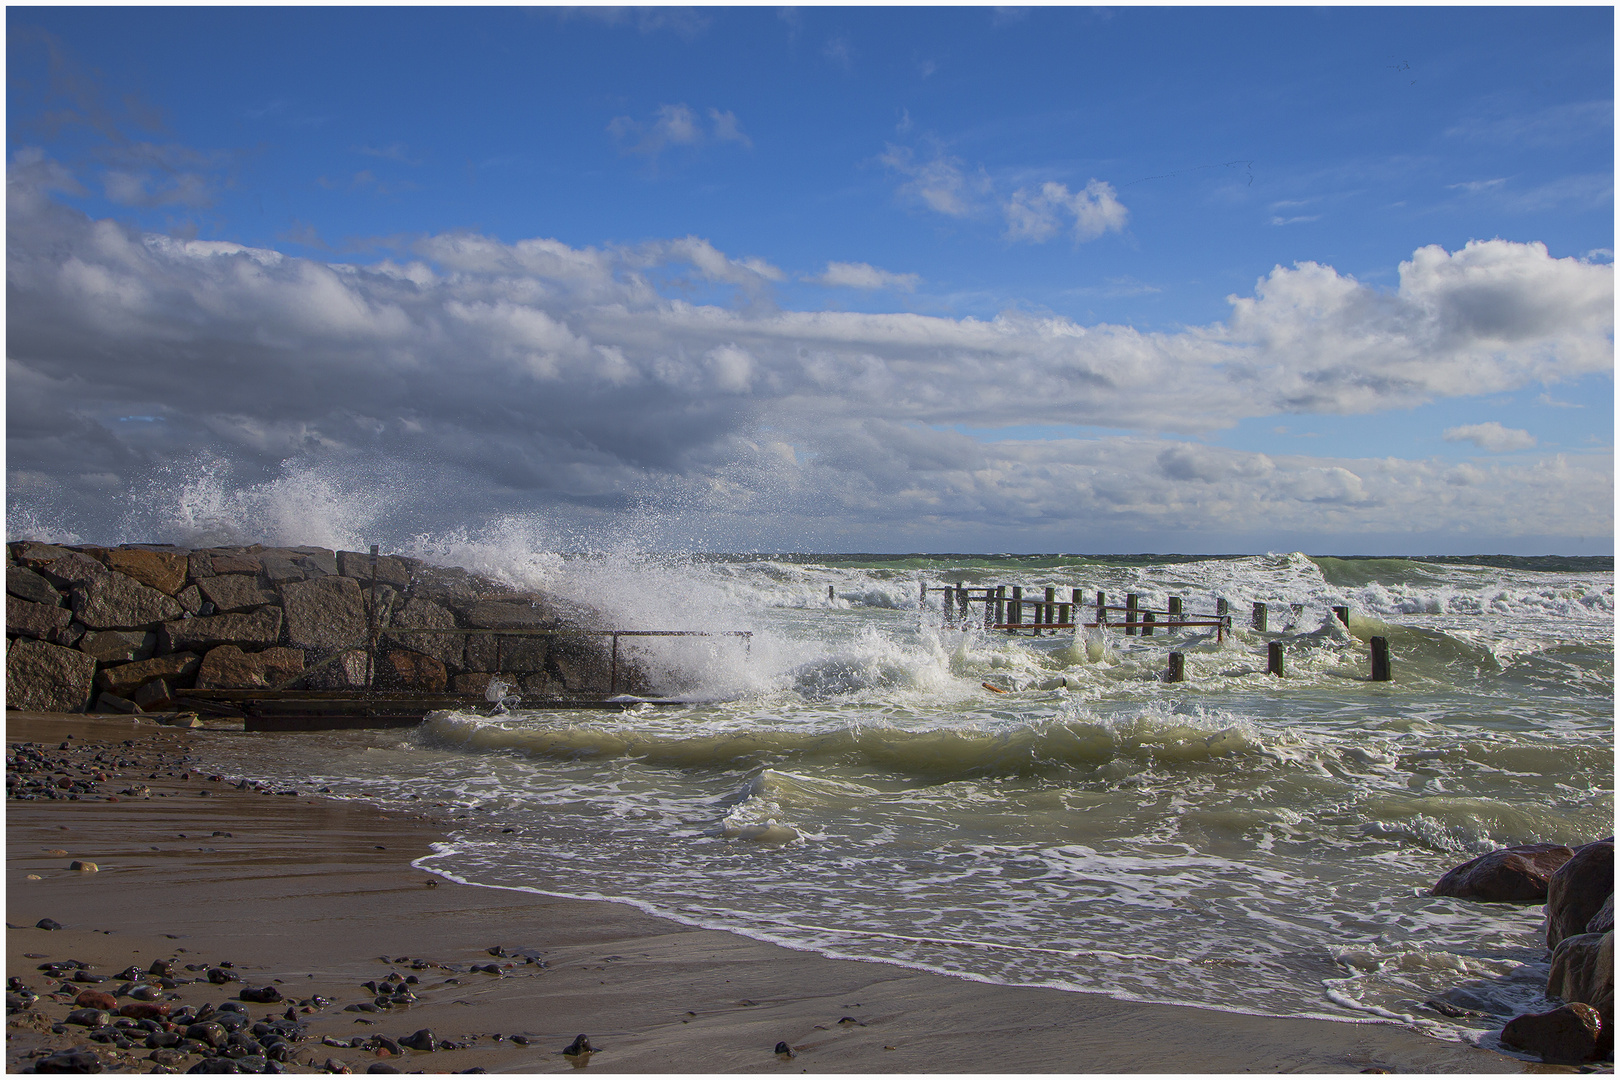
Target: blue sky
<point x="926" y="279"/>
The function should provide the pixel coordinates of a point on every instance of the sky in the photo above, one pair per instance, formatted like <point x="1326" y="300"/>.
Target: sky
<point x="1337" y="280"/>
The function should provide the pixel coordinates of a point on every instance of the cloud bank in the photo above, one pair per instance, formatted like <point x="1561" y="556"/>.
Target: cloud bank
<point x="532" y="374"/>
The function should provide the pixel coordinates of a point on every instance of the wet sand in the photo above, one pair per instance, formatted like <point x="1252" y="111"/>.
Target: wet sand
<point x="316" y="896"/>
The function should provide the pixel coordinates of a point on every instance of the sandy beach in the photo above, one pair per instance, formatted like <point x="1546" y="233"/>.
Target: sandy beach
<point x="317" y="897"/>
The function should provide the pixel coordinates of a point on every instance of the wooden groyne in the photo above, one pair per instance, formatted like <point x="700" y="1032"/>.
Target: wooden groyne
<point x="1008" y="609"/>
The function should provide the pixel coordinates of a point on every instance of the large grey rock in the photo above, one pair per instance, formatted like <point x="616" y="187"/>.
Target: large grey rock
<point x="251" y="630"/>
<point x="1583" y="970"/>
<point x="35" y="620"/>
<point x="164" y="571"/>
<point x="281" y="567"/>
<point x="199" y="565"/>
<point x="234" y="592"/>
<point x="33" y="553"/>
<point x="342" y="671"/>
<point x="392" y="570"/>
<point x="1603" y="921"/>
<point x="48" y="678"/>
<point x="74" y="568"/>
<point x="116" y="602"/>
<point x="416" y="613"/>
<point x="1516" y="875"/>
<point x="1577" y="891"/>
<point x="23" y="582"/>
<point x="229" y="668"/>
<point x="316" y="560"/>
<point x="119" y="646"/>
<point x="324" y="614"/>
<point x="191" y="598"/>
<point x="411" y="670"/>
<point x="125" y="679"/>
<point x="235" y="563"/>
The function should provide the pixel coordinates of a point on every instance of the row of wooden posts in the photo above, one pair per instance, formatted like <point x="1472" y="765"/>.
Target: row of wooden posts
<point x="1006" y="609"/>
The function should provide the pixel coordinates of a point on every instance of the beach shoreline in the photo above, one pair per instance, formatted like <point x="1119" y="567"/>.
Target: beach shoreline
<point x="317" y="896"/>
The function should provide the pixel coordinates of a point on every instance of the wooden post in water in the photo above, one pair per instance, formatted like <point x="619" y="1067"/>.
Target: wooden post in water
<point x="949" y="610"/>
<point x="1102" y="609"/>
<point x="1130" y="614"/>
<point x="922" y="596"/>
<point x="1222" y="607"/>
<point x="1380" y="659"/>
<point x="1063" y="613"/>
<point x="829" y="592"/>
<point x="962" y="602"/>
<point x="1076" y="615"/>
<point x="989" y="607"/>
<point x="1260" y="615"/>
<point x="1001" y="603"/>
<point x="1173" y="608"/>
<point x="1343" y="612"/>
<point x="1274" y="658"/>
<point x="1178" y="668"/>
<point x="1148" y="619"/>
<point x="1049" y="611"/>
<point x="1015" y="612"/>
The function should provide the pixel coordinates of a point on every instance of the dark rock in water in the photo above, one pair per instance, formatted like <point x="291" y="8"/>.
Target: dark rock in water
<point x="263" y="995"/>
<point x="76" y="1060"/>
<point x="1576" y="893"/>
<point x="48" y="678"/>
<point x="1566" y="1036"/>
<point x="580" y="1045"/>
<point x="420" y="1040"/>
<point x="48" y="924"/>
<point x="1516" y="875"/>
<point x="1583" y="972"/>
<point x="219" y="976"/>
<point x="784" y="1049"/>
<point x="1603" y="921"/>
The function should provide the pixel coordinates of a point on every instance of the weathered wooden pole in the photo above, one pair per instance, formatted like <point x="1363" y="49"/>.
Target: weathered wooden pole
<point x="1015" y="613"/>
<point x="922" y="596"/>
<point x="1380" y="659"/>
<point x="1001" y="603"/>
<point x="1102" y="609"/>
<point x="949" y="610"/>
<point x="1063" y="614"/>
<point x="1260" y="615"/>
<point x="829" y="592"/>
<point x="1178" y="668"/>
<point x="989" y="607"/>
<point x="1222" y="607"/>
<point x="1173" y="609"/>
<point x="1148" y="619"/>
<point x="1343" y="612"/>
<point x="1049" y="609"/>
<point x="1076" y="614"/>
<point x="962" y="602"/>
<point x="1130" y="614"/>
<point x="1274" y="658"/>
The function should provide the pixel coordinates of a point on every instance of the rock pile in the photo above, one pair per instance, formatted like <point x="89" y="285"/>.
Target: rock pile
<point x="123" y="629"/>
<point x="1577" y="886"/>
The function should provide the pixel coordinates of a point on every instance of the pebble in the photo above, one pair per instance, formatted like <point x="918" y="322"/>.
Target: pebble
<point x="421" y="1040"/>
<point x="95" y="999"/>
<point x="83" y="867"/>
<point x="48" y="924"/>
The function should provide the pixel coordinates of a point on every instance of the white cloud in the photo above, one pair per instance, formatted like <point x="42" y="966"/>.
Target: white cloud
<point x="675" y="125"/>
<point x="570" y="376"/>
<point x="864" y="276"/>
<point x="1037" y="214"/>
<point x="1491" y="436"/>
<point x="940" y="182"/>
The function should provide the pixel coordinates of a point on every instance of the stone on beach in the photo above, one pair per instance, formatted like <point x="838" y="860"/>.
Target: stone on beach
<point x="1509" y="875"/>
<point x="48" y="678"/>
<point x="1568" y="1035"/>
<point x="1583" y="972"/>
<point x="1578" y="891"/>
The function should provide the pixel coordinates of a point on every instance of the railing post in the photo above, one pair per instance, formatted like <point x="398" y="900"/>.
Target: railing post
<point x="1102" y="609"/>
<point x="613" y="670"/>
<point x="1001" y="604"/>
<point x="1148" y="619"/>
<point x="1178" y="668"/>
<point x="1260" y="615"/>
<point x="1343" y="612"/>
<point x="1130" y="614"/>
<point x="1049" y="609"/>
<point x="1274" y="658"/>
<point x="1173" y="609"/>
<point x="1075" y="614"/>
<point x="962" y="603"/>
<point x="948" y="611"/>
<point x="1380" y="659"/>
<point x="1015" y="613"/>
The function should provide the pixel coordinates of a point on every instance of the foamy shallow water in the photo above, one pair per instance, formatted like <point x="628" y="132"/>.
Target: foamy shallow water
<point x="1236" y="842"/>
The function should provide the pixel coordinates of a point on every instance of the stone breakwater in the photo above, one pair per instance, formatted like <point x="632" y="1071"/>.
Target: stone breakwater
<point x="125" y="629"/>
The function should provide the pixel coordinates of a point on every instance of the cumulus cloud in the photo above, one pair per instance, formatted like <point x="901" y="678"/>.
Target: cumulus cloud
<point x="540" y="374"/>
<point x="1491" y="436"/>
<point x="939" y="182"/>
<point x="1038" y="214"/>
<point x="864" y="276"/>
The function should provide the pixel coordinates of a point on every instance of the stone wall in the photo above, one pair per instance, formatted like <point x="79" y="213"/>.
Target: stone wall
<point x="121" y="629"/>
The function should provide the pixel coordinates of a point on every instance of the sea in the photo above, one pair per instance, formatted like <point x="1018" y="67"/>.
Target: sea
<point x="864" y="777"/>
